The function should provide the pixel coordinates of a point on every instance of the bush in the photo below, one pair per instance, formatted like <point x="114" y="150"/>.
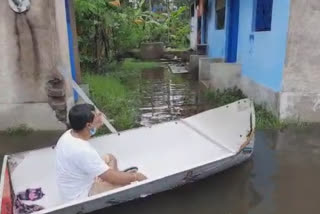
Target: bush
<point x="106" y="32"/>
<point x="116" y="92"/>
<point x="264" y="118"/>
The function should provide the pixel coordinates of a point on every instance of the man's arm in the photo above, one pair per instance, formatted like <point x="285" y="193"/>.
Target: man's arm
<point x="121" y="178"/>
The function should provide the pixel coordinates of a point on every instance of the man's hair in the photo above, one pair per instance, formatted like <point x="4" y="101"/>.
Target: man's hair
<point x="80" y="115"/>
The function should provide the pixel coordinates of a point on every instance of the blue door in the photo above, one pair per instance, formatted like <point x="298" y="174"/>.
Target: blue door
<point x="233" y="25"/>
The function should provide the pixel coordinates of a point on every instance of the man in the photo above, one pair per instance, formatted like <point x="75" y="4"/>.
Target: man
<point x="81" y="172"/>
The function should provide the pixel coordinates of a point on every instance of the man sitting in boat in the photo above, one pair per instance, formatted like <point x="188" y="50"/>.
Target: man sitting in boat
<point x="81" y="172"/>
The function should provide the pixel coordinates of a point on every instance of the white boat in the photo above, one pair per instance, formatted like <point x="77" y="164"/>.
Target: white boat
<point x="169" y="154"/>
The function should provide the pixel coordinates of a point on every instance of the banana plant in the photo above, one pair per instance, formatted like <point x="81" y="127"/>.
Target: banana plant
<point x="107" y="28"/>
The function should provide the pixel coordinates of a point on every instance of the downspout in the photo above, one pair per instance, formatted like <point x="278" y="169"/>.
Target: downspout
<point x="71" y="51"/>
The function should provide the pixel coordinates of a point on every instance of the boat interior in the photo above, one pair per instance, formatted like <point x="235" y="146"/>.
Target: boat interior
<point x="158" y="151"/>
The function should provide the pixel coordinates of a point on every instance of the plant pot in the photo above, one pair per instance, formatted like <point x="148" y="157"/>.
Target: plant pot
<point x="151" y="51"/>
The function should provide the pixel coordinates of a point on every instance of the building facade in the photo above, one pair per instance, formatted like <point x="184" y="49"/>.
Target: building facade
<point x="267" y="48"/>
<point x="37" y="42"/>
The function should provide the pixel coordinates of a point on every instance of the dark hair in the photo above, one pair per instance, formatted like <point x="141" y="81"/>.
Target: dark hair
<point x="80" y="115"/>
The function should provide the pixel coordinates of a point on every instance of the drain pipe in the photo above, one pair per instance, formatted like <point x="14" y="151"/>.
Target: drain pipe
<point x="70" y="42"/>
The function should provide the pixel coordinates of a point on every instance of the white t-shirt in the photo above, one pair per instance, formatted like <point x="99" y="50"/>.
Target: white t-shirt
<point x="77" y="165"/>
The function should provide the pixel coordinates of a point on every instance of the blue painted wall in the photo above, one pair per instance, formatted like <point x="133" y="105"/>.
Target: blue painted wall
<point x="203" y="30"/>
<point x="262" y="54"/>
<point x="216" y="38"/>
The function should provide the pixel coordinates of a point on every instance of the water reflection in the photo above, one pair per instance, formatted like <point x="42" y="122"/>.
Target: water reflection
<point x="167" y="96"/>
<point x="282" y="176"/>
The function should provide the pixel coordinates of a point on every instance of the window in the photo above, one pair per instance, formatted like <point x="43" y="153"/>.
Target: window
<point x="192" y="10"/>
<point x="263" y="15"/>
<point x="205" y="21"/>
<point x="220" y="14"/>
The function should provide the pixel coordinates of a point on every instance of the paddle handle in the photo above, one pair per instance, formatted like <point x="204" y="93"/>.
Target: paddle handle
<point x="83" y="95"/>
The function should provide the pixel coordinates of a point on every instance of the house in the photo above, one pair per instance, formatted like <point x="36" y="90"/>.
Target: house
<point x="161" y="6"/>
<point x="268" y="48"/>
<point x="37" y="43"/>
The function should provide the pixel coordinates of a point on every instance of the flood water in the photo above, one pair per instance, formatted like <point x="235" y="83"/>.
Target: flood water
<point x="35" y="140"/>
<point x="281" y="178"/>
<point x="167" y="96"/>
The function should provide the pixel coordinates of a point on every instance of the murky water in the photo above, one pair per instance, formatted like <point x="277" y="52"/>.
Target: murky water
<point x="35" y="140"/>
<point x="168" y="96"/>
<point x="282" y="176"/>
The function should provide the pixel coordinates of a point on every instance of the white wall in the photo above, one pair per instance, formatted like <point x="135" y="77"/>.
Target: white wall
<point x="33" y="46"/>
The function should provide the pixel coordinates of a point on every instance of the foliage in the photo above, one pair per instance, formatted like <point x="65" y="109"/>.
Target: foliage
<point x="21" y="130"/>
<point x="264" y="118"/>
<point x="179" y="28"/>
<point x="113" y="98"/>
<point x="114" y="93"/>
<point x="219" y="98"/>
<point x="106" y="32"/>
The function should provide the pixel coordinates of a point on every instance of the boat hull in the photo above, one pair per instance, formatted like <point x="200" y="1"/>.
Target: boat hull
<point x="164" y="184"/>
<point x="170" y="154"/>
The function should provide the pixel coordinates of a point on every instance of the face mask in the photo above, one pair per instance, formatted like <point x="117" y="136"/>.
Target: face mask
<point x="93" y="131"/>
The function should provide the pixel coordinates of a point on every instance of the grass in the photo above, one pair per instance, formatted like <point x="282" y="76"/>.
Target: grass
<point x="116" y="92"/>
<point x="21" y="130"/>
<point x="264" y="118"/>
<point x="131" y="64"/>
<point x="219" y="98"/>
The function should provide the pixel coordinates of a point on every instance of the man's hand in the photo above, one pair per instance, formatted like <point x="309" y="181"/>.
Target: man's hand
<point x="98" y="119"/>
<point x="140" y="177"/>
<point x="121" y="178"/>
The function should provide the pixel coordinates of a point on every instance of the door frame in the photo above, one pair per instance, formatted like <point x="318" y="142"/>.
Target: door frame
<point x="233" y="11"/>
